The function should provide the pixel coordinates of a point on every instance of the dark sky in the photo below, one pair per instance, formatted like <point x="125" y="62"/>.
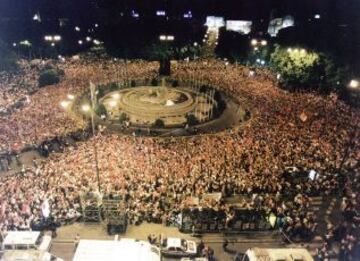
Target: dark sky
<point x="236" y="9"/>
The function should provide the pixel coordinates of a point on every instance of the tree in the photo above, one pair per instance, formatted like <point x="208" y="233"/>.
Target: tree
<point x="123" y="117"/>
<point x="303" y="69"/>
<point x="191" y="120"/>
<point x="159" y="123"/>
<point x="101" y="110"/>
<point x="48" y="77"/>
<point x="7" y="59"/>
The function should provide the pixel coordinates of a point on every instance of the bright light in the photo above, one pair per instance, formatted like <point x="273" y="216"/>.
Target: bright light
<point x="57" y="37"/>
<point x="80" y="42"/>
<point x="116" y="95"/>
<point x="77" y="28"/>
<point x="278" y="76"/>
<point x="71" y="97"/>
<point x="317" y="16"/>
<point x="64" y="104"/>
<point x="188" y="15"/>
<point x="88" y="38"/>
<point x="25" y="42"/>
<point x="258" y="60"/>
<point x="354" y="84"/>
<point x="52" y="44"/>
<point x="97" y="42"/>
<point x="303" y="51"/>
<point x="134" y="14"/>
<point x="289" y="50"/>
<point x="112" y="104"/>
<point x="160" y="13"/>
<point x="96" y="25"/>
<point x="254" y="42"/>
<point x="256" y="48"/>
<point x="296" y="50"/>
<point x="195" y="44"/>
<point x="48" y="38"/>
<point x="262" y="62"/>
<point x="166" y="38"/>
<point x="36" y="17"/>
<point x="263" y="42"/>
<point x="14" y="44"/>
<point x="85" y="107"/>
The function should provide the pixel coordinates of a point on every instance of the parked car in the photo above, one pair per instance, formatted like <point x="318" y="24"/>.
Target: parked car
<point x="178" y="247"/>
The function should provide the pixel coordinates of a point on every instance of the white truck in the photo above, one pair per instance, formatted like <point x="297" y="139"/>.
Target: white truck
<point x="277" y="254"/>
<point x="28" y="255"/>
<point x="25" y="240"/>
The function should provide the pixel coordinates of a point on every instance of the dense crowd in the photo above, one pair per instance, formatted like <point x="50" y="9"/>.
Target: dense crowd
<point x="42" y="117"/>
<point x="16" y="87"/>
<point x="157" y="176"/>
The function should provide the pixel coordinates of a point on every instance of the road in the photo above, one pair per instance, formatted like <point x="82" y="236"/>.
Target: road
<point x="63" y="244"/>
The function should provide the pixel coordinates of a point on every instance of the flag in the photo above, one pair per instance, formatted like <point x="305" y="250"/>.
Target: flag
<point x="45" y="208"/>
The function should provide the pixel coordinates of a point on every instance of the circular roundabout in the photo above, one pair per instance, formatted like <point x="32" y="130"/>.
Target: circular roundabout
<point x="168" y="111"/>
<point x="145" y="105"/>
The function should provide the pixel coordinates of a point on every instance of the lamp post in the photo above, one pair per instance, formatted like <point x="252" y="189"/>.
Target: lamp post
<point x="164" y="58"/>
<point x="354" y="85"/>
<point x="87" y="108"/>
<point x="93" y="105"/>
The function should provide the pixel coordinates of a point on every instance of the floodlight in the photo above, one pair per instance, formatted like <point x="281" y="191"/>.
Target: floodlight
<point x="64" y="104"/>
<point x="354" y="84"/>
<point x="85" y="107"/>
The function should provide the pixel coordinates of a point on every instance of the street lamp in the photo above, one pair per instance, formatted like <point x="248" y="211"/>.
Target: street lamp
<point x="71" y="97"/>
<point x="85" y="107"/>
<point x="263" y="42"/>
<point x="167" y="38"/>
<point x="254" y="42"/>
<point x="64" y="104"/>
<point x="354" y="84"/>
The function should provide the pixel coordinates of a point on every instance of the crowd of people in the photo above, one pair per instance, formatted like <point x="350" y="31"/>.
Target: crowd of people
<point x="42" y="117"/>
<point x="157" y="176"/>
